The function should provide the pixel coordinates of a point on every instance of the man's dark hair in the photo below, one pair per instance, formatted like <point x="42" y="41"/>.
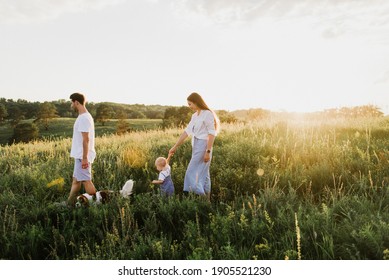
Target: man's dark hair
<point x="78" y="97"/>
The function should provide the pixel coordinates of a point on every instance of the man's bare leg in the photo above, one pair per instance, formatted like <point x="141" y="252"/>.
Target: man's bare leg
<point x="76" y="187"/>
<point x="89" y="187"/>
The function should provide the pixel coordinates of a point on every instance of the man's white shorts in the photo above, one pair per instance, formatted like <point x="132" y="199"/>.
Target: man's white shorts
<point x="82" y="174"/>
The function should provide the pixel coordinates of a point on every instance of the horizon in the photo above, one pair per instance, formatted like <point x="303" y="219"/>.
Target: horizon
<point x="231" y="111"/>
<point x="296" y="56"/>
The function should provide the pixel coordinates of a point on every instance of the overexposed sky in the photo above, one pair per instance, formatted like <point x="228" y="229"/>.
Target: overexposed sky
<point x="293" y="55"/>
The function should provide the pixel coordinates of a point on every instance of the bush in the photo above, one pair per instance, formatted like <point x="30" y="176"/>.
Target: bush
<point x="24" y="132"/>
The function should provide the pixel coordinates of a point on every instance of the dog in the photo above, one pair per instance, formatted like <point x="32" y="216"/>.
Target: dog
<point x="103" y="196"/>
<point x="127" y="189"/>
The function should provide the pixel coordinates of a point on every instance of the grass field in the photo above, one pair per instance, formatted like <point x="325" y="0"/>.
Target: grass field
<point x="280" y="190"/>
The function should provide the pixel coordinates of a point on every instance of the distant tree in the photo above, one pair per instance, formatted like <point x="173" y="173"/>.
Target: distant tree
<point x="328" y="113"/>
<point x="63" y="108"/>
<point x="154" y="114"/>
<point x="103" y="113"/>
<point x="24" y="132"/>
<point x="3" y="112"/>
<point x="47" y="111"/>
<point x="120" y="113"/>
<point x="176" y="117"/>
<point x="29" y="109"/>
<point x="226" y="116"/>
<point x="365" y="111"/>
<point x="122" y="125"/>
<point x="170" y="118"/>
<point x="184" y="115"/>
<point x="369" y="111"/>
<point x="91" y="108"/>
<point x="134" y="114"/>
<point x="15" y="115"/>
<point x="257" y="114"/>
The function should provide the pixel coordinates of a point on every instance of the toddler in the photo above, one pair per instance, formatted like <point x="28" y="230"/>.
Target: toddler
<point x="164" y="178"/>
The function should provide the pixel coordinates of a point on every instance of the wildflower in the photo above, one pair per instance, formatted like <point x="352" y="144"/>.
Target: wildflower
<point x="158" y="248"/>
<point x="243" y="221"/>
<point x="262" y="246"/>
<point x="386" y="254"/>
<point x="268" y="219"/>
<point x="325" y="208"/>
<point x="255" y="200"/>
<point x="57" y="182"/>
<point x="298" y="237"/>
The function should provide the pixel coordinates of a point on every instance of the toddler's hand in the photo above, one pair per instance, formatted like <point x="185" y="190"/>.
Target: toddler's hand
<point x="172" y="151"/>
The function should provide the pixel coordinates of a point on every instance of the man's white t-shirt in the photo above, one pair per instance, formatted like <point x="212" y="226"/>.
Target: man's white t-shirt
<point x="84" y="123"/>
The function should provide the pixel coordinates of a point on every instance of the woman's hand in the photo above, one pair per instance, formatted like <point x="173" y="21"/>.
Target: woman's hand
<point x="207" y="157"/>
<point x="172" y="151"/>
<point x="181" y="140"/>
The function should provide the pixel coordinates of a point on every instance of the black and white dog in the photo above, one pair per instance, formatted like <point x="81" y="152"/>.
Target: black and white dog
<point x="103" y="196"/>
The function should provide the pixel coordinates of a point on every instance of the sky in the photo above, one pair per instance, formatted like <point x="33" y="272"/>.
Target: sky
<point x="280" y="55"/>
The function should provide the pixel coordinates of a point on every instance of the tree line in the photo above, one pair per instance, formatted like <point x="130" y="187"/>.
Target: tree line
<point x="14" y="112"/>
<point x="357" y="112"/>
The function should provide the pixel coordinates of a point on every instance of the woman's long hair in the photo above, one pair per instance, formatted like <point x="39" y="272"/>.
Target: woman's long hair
<point x="195" y="98"/>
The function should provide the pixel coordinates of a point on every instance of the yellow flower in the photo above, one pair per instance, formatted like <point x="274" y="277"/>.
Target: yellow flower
<point x="386" y="254"/>
<point x="60" y="182"/>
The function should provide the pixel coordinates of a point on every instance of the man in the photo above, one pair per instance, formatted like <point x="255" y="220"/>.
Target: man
<point x="83" y="149"/>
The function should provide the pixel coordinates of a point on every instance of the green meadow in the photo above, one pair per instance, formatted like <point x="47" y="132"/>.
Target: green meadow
<point x="281" y="189"/>
<point x="63" y="128"/>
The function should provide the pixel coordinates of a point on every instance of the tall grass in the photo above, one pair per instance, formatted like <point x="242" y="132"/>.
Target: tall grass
<point x="280" y="190"/>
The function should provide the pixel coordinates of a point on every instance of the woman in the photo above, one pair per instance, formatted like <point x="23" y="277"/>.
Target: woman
<point x="203" y="128"/>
